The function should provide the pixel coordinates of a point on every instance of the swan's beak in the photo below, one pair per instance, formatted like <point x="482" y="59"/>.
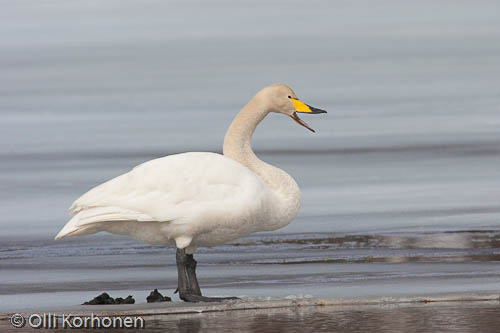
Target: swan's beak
<point x="304" y="108"/>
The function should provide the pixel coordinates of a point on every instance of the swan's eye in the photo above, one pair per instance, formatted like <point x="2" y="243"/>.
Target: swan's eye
<point x="289" y="96"/>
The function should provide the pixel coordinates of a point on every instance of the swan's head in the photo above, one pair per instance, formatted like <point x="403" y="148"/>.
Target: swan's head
<point x="280" y="98"/>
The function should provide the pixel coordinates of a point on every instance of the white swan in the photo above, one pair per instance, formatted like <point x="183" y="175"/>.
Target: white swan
<point x="199" y="198"/>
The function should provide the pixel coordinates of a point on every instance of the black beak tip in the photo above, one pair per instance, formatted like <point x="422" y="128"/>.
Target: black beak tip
<point x="315" y="110"/>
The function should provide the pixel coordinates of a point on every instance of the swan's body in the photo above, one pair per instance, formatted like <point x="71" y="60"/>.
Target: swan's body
<point x="192" y="199"/>
<point x="198" y="199"/>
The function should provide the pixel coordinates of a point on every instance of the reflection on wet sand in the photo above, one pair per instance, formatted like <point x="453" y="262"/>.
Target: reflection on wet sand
<point x="448" y="317"/>
<point x="483" y="316"/>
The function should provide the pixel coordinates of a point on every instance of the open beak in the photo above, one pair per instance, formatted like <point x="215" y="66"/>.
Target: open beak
<point x="304" y="108"/>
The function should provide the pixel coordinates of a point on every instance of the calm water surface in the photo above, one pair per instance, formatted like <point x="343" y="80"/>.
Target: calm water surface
<point x="448" y="317"/>
<point x="433" y="318"/>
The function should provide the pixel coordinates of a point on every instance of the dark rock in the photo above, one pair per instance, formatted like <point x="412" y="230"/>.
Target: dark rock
<point x="128" y="300"/>
<point x="105" y="299"/>
<point x="102" y="299"/>
<point x="155" y="296"/>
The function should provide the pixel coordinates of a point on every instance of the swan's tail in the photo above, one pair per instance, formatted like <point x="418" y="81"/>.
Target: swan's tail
<point x="90" y="220"/>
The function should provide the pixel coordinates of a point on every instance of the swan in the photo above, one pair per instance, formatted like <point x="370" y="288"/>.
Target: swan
<point x="197" y="199"/>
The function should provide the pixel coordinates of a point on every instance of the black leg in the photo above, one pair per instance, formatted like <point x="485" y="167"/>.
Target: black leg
<point x="191" y="274"/>
<point x="187" y="283"/>
<point x="182" y="280"/>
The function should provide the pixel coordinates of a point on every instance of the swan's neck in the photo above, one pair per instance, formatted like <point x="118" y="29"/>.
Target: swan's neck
<point x="237" y="146"/>
<point x="237" y="143"/>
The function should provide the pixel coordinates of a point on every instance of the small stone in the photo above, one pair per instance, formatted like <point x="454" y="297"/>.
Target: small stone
<point x="128" y="300"/>
<point x="105" y="299"/>
<point x="155" y="296"/>
<point x="102" y="299"/>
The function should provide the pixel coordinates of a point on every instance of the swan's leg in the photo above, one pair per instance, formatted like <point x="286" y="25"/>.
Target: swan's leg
<point x="182" y="281"/>
<point x="191" y="274"/>
<point x="187" y="283"/>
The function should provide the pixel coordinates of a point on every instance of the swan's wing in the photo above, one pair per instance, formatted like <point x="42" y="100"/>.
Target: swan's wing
<point x="173" y="189"/>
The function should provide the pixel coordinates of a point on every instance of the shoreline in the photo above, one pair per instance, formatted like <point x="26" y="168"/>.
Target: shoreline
<point x="181" y="308"/>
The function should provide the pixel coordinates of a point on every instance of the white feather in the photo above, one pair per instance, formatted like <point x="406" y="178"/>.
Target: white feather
<point x="191" y="193"/>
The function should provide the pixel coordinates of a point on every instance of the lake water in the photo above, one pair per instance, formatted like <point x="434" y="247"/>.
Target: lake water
<point x="400" y="184"/>
<point x="440" y="318"/>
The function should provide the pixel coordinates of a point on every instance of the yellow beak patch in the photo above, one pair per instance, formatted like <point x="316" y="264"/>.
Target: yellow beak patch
<point x="301" y="107"/>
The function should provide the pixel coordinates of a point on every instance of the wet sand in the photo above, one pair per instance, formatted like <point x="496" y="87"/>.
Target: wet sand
<point x="441" y="312"/>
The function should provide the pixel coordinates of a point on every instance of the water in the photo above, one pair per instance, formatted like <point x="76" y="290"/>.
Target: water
<point x="448" y="317"/>
<point x="401" y="183"/>
<point x="46" y="273"/>
<point x="89" y="90"/>
<point x="442" y="318"/>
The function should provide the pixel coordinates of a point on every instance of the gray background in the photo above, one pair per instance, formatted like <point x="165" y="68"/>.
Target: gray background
<point x="88" y="89"/>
